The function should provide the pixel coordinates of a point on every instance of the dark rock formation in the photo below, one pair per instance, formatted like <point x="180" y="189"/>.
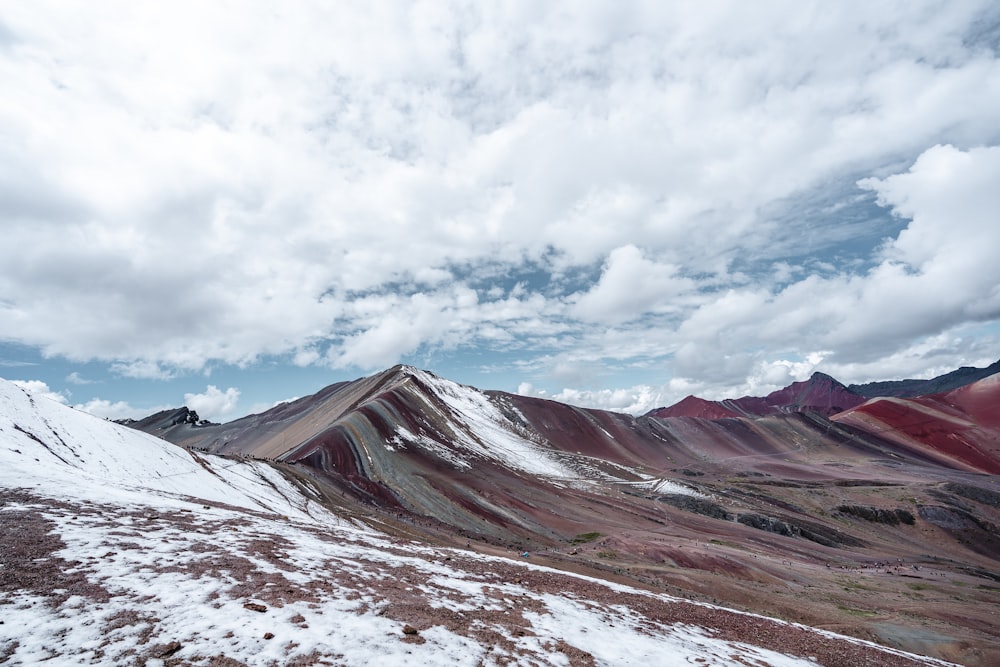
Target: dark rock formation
<point x="697" y="505"/>
<point x="814" y="532"/>
<point x="888" y="517"/>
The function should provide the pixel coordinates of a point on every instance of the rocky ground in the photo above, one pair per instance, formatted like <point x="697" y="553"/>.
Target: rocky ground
<point x="88" y="583"/>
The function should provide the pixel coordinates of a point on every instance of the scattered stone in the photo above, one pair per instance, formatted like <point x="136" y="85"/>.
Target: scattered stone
<point x="169" y="649"/>
<point x="268" y="635"/>
<point x="409" y="630"/>
<point x="253" y="606"/>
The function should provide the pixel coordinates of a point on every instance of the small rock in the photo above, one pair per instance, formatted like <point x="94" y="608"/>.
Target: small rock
<point x="169" y="650"/>
<point x="253" y="606"/>
<point x="409" y="629"/>
<point x="268" y="635"/>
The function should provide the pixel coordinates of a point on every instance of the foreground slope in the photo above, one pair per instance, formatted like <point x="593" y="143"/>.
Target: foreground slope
<point x="792" y="514"/>
<point x="120" y="548"/>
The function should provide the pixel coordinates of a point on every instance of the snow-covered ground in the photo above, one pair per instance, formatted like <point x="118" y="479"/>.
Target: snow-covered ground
<point x="119" y="548"/>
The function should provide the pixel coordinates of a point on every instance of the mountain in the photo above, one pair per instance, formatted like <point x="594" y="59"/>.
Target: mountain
<point x="820" y="393"/>
<point x="788" y="514"/>
<point x="912" y="388"/>
<point x="119" y="548"/>
<point x="961" y="425"/>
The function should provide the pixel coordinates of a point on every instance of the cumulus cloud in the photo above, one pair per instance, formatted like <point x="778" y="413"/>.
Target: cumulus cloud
<point x="39" y="388"/>
<point x="630" y="286"/>
<point x="636" y="400"/>
<point x="76" y="378"/>
<point x="214" y="404"/>
<point x="352" y="186"/>
<point x="96" y="406"/>
<point x="142" y="370"/>
<point x="106" y="409"/>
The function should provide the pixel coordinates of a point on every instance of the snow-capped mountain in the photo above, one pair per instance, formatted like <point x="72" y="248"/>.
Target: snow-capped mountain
<point x="793" y="514"/>
<point x="704" y="507"/>
<point x="122" y="548"/>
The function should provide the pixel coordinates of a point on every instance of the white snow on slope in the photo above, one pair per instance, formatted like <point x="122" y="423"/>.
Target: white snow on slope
<point x="141" y="562"/>
<point x="160" y="587"/>
<point x="48" y="445"/>
<point x="487" y="432"/>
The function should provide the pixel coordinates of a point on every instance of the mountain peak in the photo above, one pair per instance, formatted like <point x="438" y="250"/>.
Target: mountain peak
<point x="822" y="378"/>
<point x="820" y="393"/>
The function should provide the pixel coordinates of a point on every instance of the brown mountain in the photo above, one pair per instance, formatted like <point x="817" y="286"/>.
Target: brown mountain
<point x="820" y="393"/>
<point x="955" y="427"/>
<point x="854" y="524"/>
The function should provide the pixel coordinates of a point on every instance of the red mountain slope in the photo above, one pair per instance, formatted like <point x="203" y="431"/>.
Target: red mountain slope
<point x="962" y="425"/>
<point x="741" y="509"/>
<point x="692" y="406"/>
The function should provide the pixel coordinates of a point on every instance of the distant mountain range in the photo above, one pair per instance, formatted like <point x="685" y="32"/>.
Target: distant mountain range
<point x="823" y="394"/>
<point x="820" y="393"/>
<point x="792" y="504"/>
<point x="912" y="388"/>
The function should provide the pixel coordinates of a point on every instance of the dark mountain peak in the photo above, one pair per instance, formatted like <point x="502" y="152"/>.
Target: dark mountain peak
<point x="161" y="420"/>
<point x="824" y="379"/>
<point x="912" y="388"/>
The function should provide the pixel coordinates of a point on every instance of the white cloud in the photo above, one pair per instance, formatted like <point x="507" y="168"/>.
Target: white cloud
<point x="142" y="370"/>
<point x="636" y="400"/>
<point x="630" y="286"/>
<point x="39" y="388"/>
<point x="354" y="185"/>
<point x="95" y="406"/>
<point x="213" y="404"/>
<point x="76" y="378"/>
<point x="106" y="409"/>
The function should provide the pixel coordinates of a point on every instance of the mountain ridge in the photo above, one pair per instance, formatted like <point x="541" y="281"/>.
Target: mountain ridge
<point x="913" y="388"/>
<point x="703" y="505"/>
<point x="821" y="393"/>
<point x="207" y="562"/>
<point x="740" y="510"/>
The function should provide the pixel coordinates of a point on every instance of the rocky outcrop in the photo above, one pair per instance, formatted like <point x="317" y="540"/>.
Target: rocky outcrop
<point x="696" y="505"/>
<point x="889" y="517"/>
<point x="813" y="532"/>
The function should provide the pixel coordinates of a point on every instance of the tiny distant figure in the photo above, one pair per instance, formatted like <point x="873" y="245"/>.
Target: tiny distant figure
<point x="525" y="554"/>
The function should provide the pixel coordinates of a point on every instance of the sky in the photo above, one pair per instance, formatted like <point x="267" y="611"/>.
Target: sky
<point x="611" y="204"/>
